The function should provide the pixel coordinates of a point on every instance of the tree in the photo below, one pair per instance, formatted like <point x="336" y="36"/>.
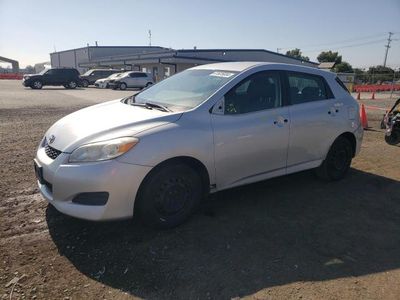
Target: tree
<point x="296" y="53"/>
<point x="343" y="67"/>
<point x="29" y="69"/>
<point x="380" y="73"/>
<point x="329" y="56"/>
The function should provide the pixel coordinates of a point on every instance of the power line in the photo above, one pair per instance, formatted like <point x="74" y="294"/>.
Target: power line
<point x="338" y="42"/>
<point x="348" y="46"/>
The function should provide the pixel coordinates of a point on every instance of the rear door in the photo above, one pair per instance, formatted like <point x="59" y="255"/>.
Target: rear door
<point x="251" y="131"/>
<point x="50" y="77"/>
<point x="312" y="119"/>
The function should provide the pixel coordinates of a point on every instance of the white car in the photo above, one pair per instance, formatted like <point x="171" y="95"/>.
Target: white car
<point x="206" y="129"/>
<point x="133" y="79"/>
<point x="103" y="83"/>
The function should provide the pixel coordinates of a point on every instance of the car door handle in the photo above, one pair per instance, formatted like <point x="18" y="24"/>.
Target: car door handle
<point x="280" y="121"/>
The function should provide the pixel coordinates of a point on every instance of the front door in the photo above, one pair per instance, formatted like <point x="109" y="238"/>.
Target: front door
<point x="251" y="131"/>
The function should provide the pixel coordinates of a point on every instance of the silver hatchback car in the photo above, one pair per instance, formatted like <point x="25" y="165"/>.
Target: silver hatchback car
<point x="158" y="153"/>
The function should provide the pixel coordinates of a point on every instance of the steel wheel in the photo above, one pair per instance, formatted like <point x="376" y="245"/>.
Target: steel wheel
<point x="338" y="160"/>
<point x="169" y="195"/>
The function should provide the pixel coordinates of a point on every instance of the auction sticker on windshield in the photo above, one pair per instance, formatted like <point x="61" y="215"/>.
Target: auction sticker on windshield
<point x="222" y="74"/>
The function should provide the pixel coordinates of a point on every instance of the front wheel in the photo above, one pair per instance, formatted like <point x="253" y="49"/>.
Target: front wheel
<point x="169" y="195"/>
<point x="85" y="83"/>
<point x="37" y="85"/>
<point x="122" y="86"/>
<point x="338" y="160"/>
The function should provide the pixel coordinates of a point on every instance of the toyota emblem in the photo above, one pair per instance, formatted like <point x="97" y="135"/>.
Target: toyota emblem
<point x="52" y="138"/>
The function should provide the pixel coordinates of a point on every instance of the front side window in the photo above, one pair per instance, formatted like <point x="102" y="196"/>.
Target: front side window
<point x="306" y="88"/>
<point x="259" y="91"/>
<point x="186" y="89"/>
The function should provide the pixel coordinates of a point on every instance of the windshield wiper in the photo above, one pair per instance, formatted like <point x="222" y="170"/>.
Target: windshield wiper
<point x="157" y="106"/>
<point x="149" y="105"/>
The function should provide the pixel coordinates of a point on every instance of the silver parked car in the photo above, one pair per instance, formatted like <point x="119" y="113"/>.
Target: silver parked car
<point x="206" y="129"/>
<point x="133" y="79"/>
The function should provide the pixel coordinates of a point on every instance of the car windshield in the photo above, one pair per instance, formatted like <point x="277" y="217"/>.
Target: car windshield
<point x="87" y="73"/>
<point x="115" y="75"/>
<point x="186" y="89"/>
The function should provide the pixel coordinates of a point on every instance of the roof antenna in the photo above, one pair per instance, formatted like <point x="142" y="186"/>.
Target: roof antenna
<point x="150" y="37"/>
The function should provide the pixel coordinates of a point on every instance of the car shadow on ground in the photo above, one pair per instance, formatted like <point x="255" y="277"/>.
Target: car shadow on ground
<point x="55" y="89"/>
<point x="288" y="229"/>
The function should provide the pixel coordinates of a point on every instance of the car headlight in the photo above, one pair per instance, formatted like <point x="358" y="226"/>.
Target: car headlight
<point x="103" y="150"/>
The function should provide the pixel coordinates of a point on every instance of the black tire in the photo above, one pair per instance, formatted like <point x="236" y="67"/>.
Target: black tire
<point x="85" y="83"/>
<point x="338" y="160"/>
<point x="122" y="86"/>
<point x="149" y="84"/>
<point x="169" y="195"/>
<point x="393" y="138"/>
<point x="72" y="85"/>
<point x="37" y="85"/>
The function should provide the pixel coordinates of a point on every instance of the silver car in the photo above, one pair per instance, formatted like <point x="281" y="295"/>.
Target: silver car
<point x="133" y="79"/>
<point x="158" y="153"/>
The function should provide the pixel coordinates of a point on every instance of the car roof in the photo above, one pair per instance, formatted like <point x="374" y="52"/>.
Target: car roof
<point x="240" y="66"/>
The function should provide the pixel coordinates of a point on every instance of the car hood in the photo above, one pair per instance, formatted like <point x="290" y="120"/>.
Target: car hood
<point x="103" y="122"/>
<point x="31" y="75"/>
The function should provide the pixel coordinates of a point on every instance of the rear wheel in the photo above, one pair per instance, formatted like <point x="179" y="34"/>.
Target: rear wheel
<point x="393" y="138"/>
<point x="169" y="195"/>
<point x="72" y="84"/>
<point x="337" y="162"/>
<point x="37" y="85"/>
<point x="149" y="84"/>
<point x="122" y="86"/>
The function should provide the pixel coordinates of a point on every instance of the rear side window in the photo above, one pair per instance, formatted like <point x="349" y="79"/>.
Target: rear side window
<point x="307" y="88"/>
<point x="341" y="84"/>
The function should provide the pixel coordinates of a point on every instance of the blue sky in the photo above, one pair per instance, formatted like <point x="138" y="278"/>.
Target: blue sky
<point x="29" y="30"/>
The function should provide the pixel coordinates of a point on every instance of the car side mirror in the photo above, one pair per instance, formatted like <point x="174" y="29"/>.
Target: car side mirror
<point x="219" y="107"/>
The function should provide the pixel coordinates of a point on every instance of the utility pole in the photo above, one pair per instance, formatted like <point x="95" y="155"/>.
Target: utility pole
<point x="278" y="49"/>
<point x="387" y="48"/>
<point x="150" y="37"/>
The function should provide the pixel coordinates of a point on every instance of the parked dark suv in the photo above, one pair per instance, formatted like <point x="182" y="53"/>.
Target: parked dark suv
<point x="91" y="76"/>
<point x="67" y="77"/>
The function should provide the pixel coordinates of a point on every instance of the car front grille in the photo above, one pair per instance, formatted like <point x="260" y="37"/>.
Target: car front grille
<point x="51" y="152"/>
<point x="111" y="81"/>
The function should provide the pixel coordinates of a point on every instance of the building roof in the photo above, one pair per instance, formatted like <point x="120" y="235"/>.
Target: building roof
<point x="326" y="65"/>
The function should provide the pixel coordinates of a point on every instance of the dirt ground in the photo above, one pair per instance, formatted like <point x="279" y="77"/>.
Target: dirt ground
<point x="292" y="237"/>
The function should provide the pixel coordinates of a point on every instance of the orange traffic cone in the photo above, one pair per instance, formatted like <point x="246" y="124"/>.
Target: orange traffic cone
<point x="363" y="117"/>
<point x="373" y="96"/>
<point x="358" y="96"/>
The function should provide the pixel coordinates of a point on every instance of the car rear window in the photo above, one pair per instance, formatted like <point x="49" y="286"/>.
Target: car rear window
<point x="342" y="84"/>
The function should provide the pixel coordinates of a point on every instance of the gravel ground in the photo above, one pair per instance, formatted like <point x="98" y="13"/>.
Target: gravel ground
<point x="291" y="237"/>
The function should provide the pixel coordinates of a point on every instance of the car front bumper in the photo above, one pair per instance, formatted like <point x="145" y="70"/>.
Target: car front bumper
<point x="63" y="182"/>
